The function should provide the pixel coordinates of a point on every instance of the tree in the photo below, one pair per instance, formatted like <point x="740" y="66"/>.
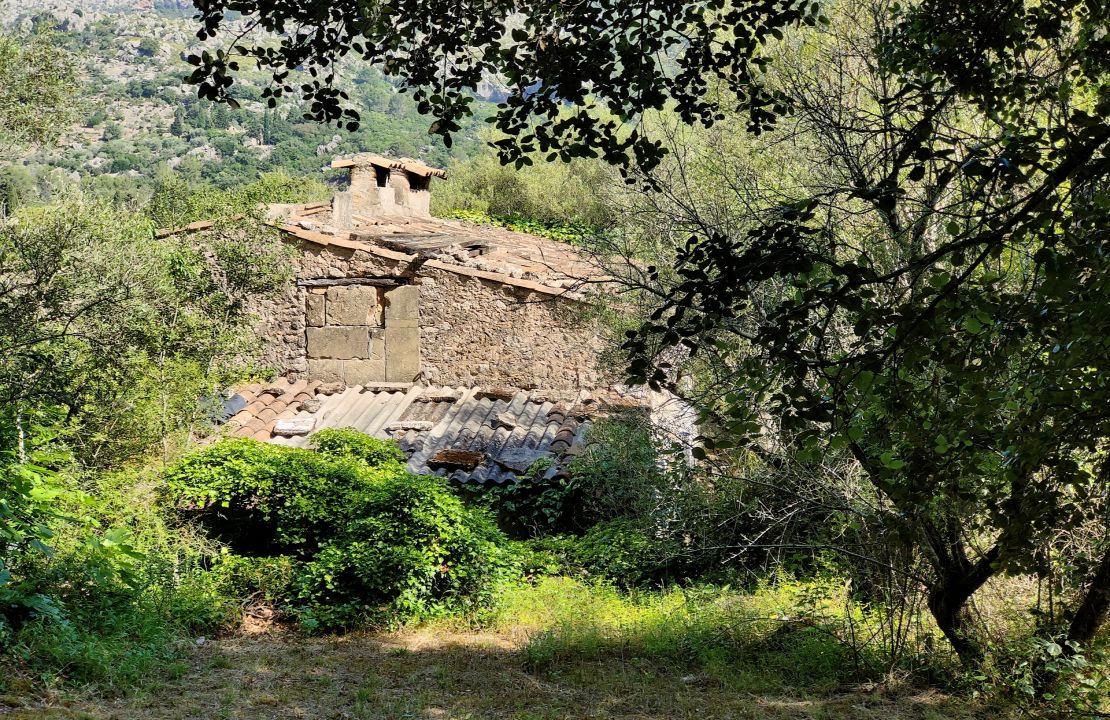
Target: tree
<point x="609" y="61"/>
<point x="37" y="83"/>
<point x="928" y="299"/>
<point x="220" y="118"/>
<point x="177" y="127"/>
<point x="112" y="131"/>
<point x="149" y="47"/>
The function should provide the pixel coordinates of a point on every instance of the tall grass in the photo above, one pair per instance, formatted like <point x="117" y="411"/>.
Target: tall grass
<point x="784" y="636"/>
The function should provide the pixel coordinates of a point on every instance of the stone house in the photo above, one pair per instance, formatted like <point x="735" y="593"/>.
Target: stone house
<point x="385" y="292"/>
<point x="471" y="346"/>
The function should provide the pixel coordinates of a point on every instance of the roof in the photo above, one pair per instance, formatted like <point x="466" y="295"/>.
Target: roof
<point x="487" y="252"/>
<point x="407" y="164"/>
<point x="472" y="434"/>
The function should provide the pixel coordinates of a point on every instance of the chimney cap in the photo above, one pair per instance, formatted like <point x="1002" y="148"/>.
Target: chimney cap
<point x="409" y="165"/>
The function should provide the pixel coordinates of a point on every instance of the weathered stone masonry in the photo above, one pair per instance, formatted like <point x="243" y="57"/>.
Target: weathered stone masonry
<point x="387" y="293"/>
<point x="447" y="328"/>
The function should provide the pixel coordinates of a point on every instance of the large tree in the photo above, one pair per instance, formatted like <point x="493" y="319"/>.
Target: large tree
<point x="930" y="295"/>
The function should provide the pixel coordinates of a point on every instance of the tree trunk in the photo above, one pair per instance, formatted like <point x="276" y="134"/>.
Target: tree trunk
<point x="958" y="578"/>
<point x="948" y="604"/>
<point x="1094" y="607"/>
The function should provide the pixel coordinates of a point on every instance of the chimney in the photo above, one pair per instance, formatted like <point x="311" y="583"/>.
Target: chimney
<point x="381" y="187"/>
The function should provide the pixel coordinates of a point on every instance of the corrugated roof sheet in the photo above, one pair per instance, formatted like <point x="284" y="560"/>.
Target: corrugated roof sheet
<point x="504" y="430"/>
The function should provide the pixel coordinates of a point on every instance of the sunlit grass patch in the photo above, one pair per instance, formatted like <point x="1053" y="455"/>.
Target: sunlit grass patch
<point x="783" y="636"/>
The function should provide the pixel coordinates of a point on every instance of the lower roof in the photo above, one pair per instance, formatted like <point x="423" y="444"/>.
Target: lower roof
<point x="468" y="434"/>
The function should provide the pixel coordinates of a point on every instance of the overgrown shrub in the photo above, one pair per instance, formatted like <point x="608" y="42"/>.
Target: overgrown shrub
<point x="350" y="443"/>
<point x="617" y="476"/>
<point x="370" y="543"/>
<point x="629" y="553"/>
<point x="416" y="551"/>
<point x="118" y="585"/>
<point x="266" y="499"/>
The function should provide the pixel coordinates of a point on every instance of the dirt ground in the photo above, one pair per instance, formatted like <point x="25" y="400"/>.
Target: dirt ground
<point x="442" y="675"/>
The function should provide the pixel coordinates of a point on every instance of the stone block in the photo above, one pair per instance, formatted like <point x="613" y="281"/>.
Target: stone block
<point x="327" y="371"/>
<point x="314" y="309"/>
<point x="294" y="426"/>
<point x="402" y="353"/>
<point x="348" y="372"/>
<point x="341" y="210"/>
<point x="402" y="307"/>
<point x="351" y="304"/>
<point x="338" y="342"/>
<point x="520" y="459"/>
<point x="364" y="372"/>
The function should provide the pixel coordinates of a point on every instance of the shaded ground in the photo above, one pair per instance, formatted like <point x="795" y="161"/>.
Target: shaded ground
<point x="446" y="675"/>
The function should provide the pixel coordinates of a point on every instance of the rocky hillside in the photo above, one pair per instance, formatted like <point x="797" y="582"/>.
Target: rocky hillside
<point x="139" y="118"/>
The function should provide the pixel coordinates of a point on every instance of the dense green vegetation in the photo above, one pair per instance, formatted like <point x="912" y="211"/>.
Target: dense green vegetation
<point x="368" y="543"/>
<point x="887" y="306"/>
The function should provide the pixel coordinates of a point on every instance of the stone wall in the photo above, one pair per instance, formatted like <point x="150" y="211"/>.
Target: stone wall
<point x="449" y="328"/>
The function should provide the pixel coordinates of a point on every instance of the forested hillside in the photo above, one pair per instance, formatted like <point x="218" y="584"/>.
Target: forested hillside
<point x="775" y="337"/>
<point x="136" y="118"/>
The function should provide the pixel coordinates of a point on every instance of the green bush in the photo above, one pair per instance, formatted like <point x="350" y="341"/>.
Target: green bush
<point x="368" y="542"/>
<point x="416" y="552"/>
<point x="118" y="586"/>
<point x="617" y="476"/>
<point x="259" y="579"/>
<point x="352" y="444"/>
<point x="265" y="499"/>
<point x="626" y="553"/>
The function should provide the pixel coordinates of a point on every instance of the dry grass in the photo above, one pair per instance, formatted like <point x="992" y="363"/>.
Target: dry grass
<point x="446" y="674"/>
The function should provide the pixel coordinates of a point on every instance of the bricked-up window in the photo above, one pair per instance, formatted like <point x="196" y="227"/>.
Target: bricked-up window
<point x="381" y="176"/>
<point x="362" y="332"/>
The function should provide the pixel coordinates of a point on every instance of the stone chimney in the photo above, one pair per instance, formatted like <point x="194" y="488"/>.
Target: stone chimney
<point x="381" y="187"/>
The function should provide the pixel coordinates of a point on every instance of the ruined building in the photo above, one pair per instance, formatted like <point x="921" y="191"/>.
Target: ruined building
<point x="387" y="293"/>
<point x="472" y="346"/>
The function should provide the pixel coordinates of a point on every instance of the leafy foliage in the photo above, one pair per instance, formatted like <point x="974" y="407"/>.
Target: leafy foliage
<point x="415" y="551"/>
<point x="374" y="544"/>
<point x="617" y="476"/>
<point x="97" y="314"/>
<point x="267" y="499"/>
<point x="607" y="61"/>
<point x="352" y="444"/>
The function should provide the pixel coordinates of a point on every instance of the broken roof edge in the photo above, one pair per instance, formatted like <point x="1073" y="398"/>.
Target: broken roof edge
<point x="346" y="242"/>
<point x="407" y="164"/>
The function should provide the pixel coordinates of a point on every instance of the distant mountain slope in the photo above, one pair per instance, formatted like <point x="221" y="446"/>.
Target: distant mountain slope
<point x="139" y="116"/>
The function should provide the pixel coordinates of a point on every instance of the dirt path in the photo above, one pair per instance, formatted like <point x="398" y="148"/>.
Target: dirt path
<point x="449" y="676"/>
